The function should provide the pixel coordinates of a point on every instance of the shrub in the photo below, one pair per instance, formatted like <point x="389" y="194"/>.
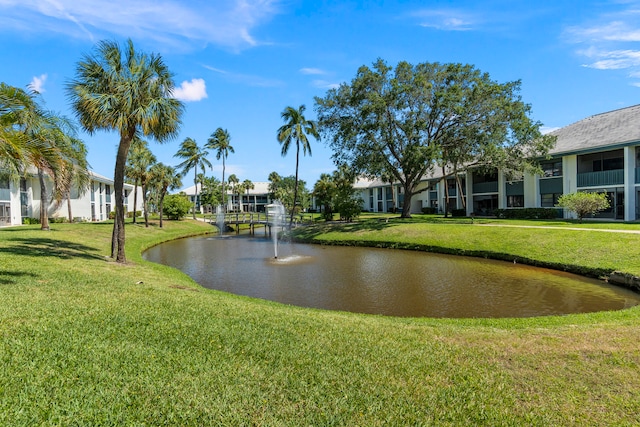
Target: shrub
<point x="458" y="212"/>
<point x="28" y="221"/>
<point x="130" y="214"/>
<point x="583" y="203"/>
<point x="176" y="206"/>
<point x="527" y="213"/>
<point x="429" y="210"/>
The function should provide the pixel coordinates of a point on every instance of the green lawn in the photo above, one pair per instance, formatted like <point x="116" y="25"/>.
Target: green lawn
<point x="84" y="341"/>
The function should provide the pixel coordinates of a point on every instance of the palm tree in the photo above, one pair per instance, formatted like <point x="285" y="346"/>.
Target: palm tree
<point x="246" y="186"/>
<point x="194" y="158"/>
<point x="139" y="160"/>
<point x="77" y="170"/>
<point x="53" y="136"/>
<point x="128" y="92"/>
<point x="30" y="135"/>
<point x="13" y="140"/>
<point x="324" y="191"/>
<point x="233" y="181"/>
<point x="163" y="177"/>
<point x="295" y="129"/>
<point x="220" y="141"/>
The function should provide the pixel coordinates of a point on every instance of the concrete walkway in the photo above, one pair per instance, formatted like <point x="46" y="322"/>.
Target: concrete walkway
<point x="560" y="228"/>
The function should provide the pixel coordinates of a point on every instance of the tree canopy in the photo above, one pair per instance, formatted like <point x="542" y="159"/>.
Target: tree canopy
<point x="407" y="120"/>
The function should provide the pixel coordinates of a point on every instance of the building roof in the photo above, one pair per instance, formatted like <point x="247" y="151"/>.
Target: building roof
<point x="614" y="128"/>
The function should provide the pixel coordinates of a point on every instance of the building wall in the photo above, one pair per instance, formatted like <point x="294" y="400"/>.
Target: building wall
<point x="83" y="206"/>
<point x="539" y="191"/>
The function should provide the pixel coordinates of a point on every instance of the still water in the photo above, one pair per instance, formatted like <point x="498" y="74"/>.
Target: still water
<point x="385" y="281"/>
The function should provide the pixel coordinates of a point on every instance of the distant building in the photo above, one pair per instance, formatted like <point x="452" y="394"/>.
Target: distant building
<point x="253" y="200"/>
<point x="598" y="154"/>
<point x="21" y="199"/>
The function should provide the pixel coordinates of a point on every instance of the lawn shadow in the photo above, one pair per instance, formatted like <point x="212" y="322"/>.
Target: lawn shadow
<point x="47" y="247"/>
<point x="8" y="277"/>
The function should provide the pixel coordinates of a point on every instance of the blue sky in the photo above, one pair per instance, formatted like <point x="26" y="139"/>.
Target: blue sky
<point x="239" y="63"/>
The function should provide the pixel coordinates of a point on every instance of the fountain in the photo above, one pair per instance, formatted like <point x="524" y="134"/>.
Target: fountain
<point x="275" y="216"/>
<point x="220" y="218"/>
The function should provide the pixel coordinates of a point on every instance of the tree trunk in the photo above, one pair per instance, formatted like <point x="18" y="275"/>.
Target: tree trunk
<point x="44" y="202"/>
<point x="195" y="182"/>
<point x="406" y="204"/>
<point x="160" y="202"/>
<point x="145" y="204"/>
<point x="135" y="200"/>
<point x="118" y="239"/>
<point x="295" y="187"/>
<point x="224" y="196"/>
<point x="446" y="193"/>
<point x="462" y="197"/>
<point x="69" y="206"/>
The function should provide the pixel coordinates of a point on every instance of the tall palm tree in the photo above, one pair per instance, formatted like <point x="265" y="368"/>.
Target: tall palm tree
<point x="295" y="130"/>
<point x="246" y="186"/>
<point x="128" y="92"/>
<point x="139" y="160"/>
<point x="233" y="181"/>
<point x="220" y="141"/>
<point x="194" y="158"/>
<point x="163" y="177"/>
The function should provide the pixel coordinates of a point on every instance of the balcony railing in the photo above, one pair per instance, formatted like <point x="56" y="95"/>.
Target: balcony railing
<point x="637" y="175"/>
<point x="485" y="187"/>
<point x="593" y="179"/>
<point x="5" y="194"/>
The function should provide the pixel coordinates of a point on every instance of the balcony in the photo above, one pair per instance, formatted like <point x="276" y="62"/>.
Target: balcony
<point x="637" y="175"/>
<point x="485" y="187"/>
<point x="5" y="194"/>
<point x="595" y="179"/>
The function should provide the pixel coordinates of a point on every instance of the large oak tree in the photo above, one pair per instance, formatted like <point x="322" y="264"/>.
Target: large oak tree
<point x="407" y="120"/>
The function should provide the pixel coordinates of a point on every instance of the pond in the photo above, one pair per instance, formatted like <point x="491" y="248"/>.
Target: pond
<point x="385" y="281"/>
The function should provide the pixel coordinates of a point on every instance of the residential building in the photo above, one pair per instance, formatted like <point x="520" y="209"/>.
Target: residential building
<point x="598" y="154"/>
<point x="252" y="200"/>
<point x="20" y="199"/>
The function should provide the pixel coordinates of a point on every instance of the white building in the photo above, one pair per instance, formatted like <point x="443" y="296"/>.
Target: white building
<point x="21" y="199"/>
<point x="252" y="200"/>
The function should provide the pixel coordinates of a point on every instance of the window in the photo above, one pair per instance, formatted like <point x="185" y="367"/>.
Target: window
<point x="549" y="200"/>
<point x="515" y="201"/>
<point x="553" y="168"/>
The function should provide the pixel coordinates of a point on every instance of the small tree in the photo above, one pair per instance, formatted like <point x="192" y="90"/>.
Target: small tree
<point x="583" y="203"/>
<point x="176" y="206"/>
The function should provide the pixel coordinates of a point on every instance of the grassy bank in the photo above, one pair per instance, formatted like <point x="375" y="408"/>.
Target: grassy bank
<point x="590" y="248"/>
<point x="84" y="341"/>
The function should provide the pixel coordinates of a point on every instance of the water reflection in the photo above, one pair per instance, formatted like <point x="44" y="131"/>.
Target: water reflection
<point x="383" y="281"/>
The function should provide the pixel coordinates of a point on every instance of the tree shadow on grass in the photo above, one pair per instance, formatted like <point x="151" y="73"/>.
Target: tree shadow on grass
<point x="9" y="277"/>
<point x="46" y="247"/>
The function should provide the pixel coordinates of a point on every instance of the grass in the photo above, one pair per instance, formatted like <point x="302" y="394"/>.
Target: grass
<point x="554" y="244"/>
<point x="85" y="341"/>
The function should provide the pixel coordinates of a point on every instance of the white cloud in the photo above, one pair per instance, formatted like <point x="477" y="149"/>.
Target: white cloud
<point x="37" y="83"/>
<point x="610" y="41"/>
<point x="323" y="84"/>
<point x="172" y="23"/>
<point x="445" y="19"/>
<point x="316" y="71"/>
<point x="195" y="90"/>
<point x="246" y="79"/>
